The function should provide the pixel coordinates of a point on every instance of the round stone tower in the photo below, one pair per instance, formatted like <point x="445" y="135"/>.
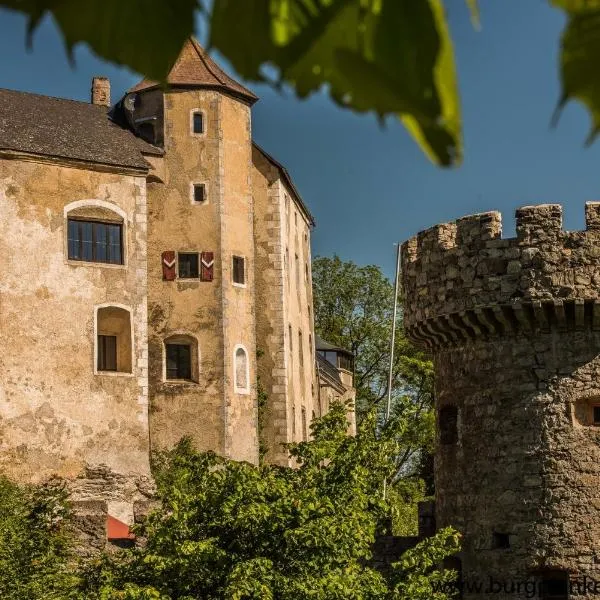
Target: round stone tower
<point x="514" y="329"/>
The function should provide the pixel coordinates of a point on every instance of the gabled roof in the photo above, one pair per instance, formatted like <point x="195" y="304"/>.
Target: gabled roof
<point x="60" y="128"/>
<point x="195" y="68"/>
<point x="283" y="173"/>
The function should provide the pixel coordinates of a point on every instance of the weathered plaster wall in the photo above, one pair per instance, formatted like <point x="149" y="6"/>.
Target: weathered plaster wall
<point x="284" y="305"/>
<point x="237" y="239"/>
<point x="514" y="327"/>
<point x="217" y="313"/>
<point x="56" y="415"/>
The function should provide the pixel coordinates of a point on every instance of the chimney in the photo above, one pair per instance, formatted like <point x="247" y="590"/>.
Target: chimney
<point x="101" y="91"/>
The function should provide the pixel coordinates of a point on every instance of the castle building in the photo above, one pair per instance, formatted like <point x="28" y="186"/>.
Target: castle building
<point x="514" y="328"/>
<point x="155" y="265"/>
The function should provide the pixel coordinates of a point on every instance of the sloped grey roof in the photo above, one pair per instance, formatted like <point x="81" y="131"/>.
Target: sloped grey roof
<point x="321" y="344"/>
<point x="69" y="129"/>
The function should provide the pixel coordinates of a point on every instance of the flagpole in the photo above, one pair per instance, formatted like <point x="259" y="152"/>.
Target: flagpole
<point x="388" y="408"/>
<point x="393" y="341"/>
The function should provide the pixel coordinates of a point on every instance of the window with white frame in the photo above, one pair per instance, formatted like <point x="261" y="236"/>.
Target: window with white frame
<point x="113" y="340"/>
<point x="241" y="370"/>
<point x="238" y="268"/>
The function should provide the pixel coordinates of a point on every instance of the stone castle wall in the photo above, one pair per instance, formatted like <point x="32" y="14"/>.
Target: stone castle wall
<point x="514" y="326"/>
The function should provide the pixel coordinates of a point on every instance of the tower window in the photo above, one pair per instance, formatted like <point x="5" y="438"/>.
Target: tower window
<point x="241" y="370"/>
<point x="198" y="122"/>
<point x="188" y="265"/>
<point x="596" y="415"/>
<point x="199" y="193"/>
<point x="239" y="274"/>
<point x="448" y="424"/>
<point x="179" y="361"/>
<point x="500" y="541"/>
<point x="94" y="241"/>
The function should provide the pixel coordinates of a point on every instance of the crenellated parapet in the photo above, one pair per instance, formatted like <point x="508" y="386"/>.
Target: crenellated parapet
<point x="462" y="280"/>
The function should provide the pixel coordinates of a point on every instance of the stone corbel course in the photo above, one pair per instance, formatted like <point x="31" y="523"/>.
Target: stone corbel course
<point x="462" y="281"/>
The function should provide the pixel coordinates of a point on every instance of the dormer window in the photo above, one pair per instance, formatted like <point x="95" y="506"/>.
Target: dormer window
<point x="197" y="122"/>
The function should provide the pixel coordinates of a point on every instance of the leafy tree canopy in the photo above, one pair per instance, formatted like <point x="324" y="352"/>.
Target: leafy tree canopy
<point x="354" y="309"/>
<point x="230" y="530"/>
<point x="391" y="57"/>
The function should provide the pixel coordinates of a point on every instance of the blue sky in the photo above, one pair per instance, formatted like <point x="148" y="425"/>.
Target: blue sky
<point x="369" y="187"/>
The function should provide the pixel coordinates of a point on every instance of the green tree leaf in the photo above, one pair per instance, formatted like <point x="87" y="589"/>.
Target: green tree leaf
<point x="393" y="57"/>
<point x="579" y="58"/>
<point x="144" y="35"/>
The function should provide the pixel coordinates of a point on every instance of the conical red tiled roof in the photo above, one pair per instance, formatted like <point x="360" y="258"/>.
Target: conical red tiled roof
<point x="194" y="68"/>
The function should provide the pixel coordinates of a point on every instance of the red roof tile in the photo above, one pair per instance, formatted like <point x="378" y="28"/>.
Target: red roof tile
<point x="194" y="68"/>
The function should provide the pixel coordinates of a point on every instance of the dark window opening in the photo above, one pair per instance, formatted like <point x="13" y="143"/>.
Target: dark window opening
<point x="596" y="415"/>
<point x="146" y="132"/>
<point x="198" y="122"/>
<point x="500" y="541"/>
<point x="107" y="353"/>
<point x="188" y="265"/>
<point x="179" y="361"/>
<point x="554" y="585"/>
<point x="345" y="362"/>
<point x="239" y="275"/>
<point x="94" y="241"/>
<point x="448" y="424"/>
<point x="199" y="193"/>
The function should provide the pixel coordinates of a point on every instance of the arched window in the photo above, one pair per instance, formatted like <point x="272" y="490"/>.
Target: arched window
<point x="182" y="358"/>
<point x="241" y="370"/>
<point x="95" y="232"/>
<point x="113" y="340"/>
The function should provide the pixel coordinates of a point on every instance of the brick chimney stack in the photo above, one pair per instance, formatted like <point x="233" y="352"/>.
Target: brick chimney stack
<point x="101" y="91"/>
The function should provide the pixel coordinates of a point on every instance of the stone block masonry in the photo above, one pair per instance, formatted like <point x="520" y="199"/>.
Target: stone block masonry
<point x="514" y="328"/>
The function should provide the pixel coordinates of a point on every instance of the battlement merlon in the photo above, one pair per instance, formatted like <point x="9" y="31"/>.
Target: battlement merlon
<point x="463" y="280"/>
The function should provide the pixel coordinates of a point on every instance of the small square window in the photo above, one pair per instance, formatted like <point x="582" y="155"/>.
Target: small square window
<point x="198" y="122"/>
<point x="188" y="265"/>
<point x="199" y="193"/>
<point x="500" y="541"/>
<point x="239" y="275"/>
<point x="107" y="353"/>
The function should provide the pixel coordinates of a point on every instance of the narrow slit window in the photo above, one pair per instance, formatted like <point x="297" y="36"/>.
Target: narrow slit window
<point x="179" y="361"/>
<point x="448" y="424"/>
<point x="239" y="272"/>
<point x="107" y="353"/>
<point x="596" y="414"/>
<point x="188" y="265"/>
<point x="500" y="541"/>
<point x="304" y="426"/>
<point x="241" y="370"/>
<point x="198" y="122"/>
<point x="199" y="193"/>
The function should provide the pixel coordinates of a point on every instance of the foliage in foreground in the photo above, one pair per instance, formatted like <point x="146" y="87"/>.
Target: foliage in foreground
<point x="391" y="57"/>
<point x="35" y="560"/>
<point x="230" y="530"/>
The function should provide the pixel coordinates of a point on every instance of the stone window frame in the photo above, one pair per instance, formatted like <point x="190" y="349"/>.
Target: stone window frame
<point x="589" y="400"/>
<point x="120" y="218"/>
<point x="182" y="335"/>
<point x="129" y="309"/>
<point x="193" y="185"/>
<point x="245" y="259"/>
<point x="448" y="437"/>
<point x="202" y="111"/>
<point x="237" y="389"/>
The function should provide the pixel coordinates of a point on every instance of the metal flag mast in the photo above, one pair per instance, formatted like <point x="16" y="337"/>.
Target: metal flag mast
<point x="388" y="407"/>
